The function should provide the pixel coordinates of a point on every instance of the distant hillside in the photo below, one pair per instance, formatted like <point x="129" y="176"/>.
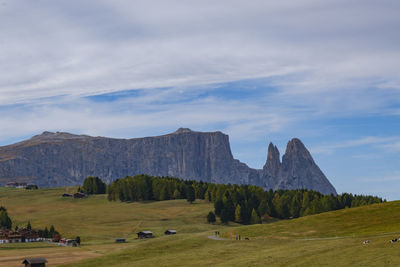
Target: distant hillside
<point x="370" y="220"/>
<point x="60" y="159"/>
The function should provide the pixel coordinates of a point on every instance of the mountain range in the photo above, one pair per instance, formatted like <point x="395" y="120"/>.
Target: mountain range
<point x="61" y="159"/>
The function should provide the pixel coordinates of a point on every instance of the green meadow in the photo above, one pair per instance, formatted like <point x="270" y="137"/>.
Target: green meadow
<point x="328" y="239"/>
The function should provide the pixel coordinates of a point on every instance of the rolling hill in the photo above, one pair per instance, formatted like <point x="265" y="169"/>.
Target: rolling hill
<point x="328" y="239"/>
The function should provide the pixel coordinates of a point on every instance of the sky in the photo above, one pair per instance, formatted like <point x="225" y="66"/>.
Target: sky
<point x="327" y="72"/>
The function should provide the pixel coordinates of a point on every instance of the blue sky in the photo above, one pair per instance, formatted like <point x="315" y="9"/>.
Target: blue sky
<point x="327" y="72"/>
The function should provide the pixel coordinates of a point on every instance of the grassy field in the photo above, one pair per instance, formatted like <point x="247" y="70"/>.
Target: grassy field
<point x="332" y="238"/>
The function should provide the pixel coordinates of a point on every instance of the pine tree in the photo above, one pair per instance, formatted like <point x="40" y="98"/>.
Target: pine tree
<point x="211" y="217"/>
<point x="264" y="208"/>
<point x="224" y="216"/>
<point x="254" y="217"/>
<point x="295" y="207"/>
<point x="238" y="214"/>
<point x="46" y="232"/>
<point x="5" y="221"/>
<point x="29" y="227"/>
<point x="190" y="194"/>
<point x="51" y="231"/>
<point x="164" y="193"/>
<point x="177" y="194"/>
<point x="229" y="207"/>
<point x="218" y="206"/>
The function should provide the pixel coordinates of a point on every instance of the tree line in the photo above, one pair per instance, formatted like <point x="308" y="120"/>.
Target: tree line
<point x="246" y="204"/>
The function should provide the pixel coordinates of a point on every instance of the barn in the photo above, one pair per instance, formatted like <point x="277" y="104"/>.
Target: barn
<point x="170" y="232"/>
<point x="35" y="262"/>
<point x="80" y="195"/>
<point x="144" y="234"/>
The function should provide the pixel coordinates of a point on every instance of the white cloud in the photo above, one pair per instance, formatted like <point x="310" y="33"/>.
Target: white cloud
<point x="393" y="147"/>
<point x="388" y="143"/>
<point x="323" y="54"/>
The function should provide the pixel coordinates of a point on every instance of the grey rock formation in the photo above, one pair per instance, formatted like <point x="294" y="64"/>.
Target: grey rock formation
<point x="297" y="170"/>
<point x="59" y="159"/>
<point x="272" y="168"/>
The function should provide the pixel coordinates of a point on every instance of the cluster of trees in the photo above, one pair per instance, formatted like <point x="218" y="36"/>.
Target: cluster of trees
<point x="146" y="187"/>
<point x="48" y="233"/>
<point x="5" y="220"/>
<point x="249" y="204"/>
<point x="244" y="204"/>
<point x="93" y="185"/>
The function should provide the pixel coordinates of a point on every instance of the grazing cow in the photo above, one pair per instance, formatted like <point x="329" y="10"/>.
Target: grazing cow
<point x="366" y="242"/>
<point x="393" y="240"/>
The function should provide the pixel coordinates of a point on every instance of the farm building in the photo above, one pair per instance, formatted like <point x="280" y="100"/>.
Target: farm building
<point x="35" y="262"/>
<point x="120" y="240"/>
<point x="18" y="236"/>
<point x="170" y="232"/>
<point x="144" y="234"/>
<point x="67" y="195"/>
<point x="16" y="185"/>
<point x="80" y="195"/>
<point x="31" y="186"/>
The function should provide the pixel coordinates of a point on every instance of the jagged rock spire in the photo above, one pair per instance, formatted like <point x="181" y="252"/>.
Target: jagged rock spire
<point x="272" y="167"/>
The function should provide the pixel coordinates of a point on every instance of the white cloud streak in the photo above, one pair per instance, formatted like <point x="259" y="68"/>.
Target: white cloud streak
<point x="389" y="144"/>
<point x="326" y="54"/>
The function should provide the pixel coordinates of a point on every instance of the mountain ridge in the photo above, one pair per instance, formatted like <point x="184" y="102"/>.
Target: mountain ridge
<point x="60" y="158"/>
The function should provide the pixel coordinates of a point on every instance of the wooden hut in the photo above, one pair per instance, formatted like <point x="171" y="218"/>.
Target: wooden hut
<point x="120" y="240"/>
<point x="170" y="232"/>
<point x="35" y="262"/>
<point x="144" y="234"/>
<point x="80" y="195"/>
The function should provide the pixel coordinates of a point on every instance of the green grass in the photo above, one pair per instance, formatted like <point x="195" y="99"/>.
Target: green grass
<point x="97" y="220"/>
<point x="361" y="221"/>
<point x="327" y="239"/>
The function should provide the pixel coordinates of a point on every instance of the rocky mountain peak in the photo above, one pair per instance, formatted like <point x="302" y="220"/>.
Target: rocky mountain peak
<point x="272" y="167"/>
<point x="295" y="146"/>
<point x="273" y="157"/>
<point x="48" y="136"/>
<point x="183" y="130"/>
<point x="296" y="149"/>
<point x="300" y="171"/>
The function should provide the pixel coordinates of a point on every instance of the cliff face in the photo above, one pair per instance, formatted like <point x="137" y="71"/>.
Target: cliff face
<point x="297" y="170"/>
<point x="59" y="159"/>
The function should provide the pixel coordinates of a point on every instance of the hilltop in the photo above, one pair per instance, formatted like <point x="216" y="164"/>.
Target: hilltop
<point x="64" y="159"/>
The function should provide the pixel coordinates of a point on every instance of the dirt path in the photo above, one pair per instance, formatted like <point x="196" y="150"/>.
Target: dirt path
<point x="213" y="237"/>
<point x="353" y="236"/>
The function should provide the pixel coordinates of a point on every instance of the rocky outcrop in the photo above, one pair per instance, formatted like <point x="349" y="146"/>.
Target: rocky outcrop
<point x="297" y="170"/>
<point x="59" y="159"/>
<point x="272" y="168"/>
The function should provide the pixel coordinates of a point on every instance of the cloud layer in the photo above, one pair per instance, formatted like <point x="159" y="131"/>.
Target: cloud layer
<point x="84" y="47"/>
